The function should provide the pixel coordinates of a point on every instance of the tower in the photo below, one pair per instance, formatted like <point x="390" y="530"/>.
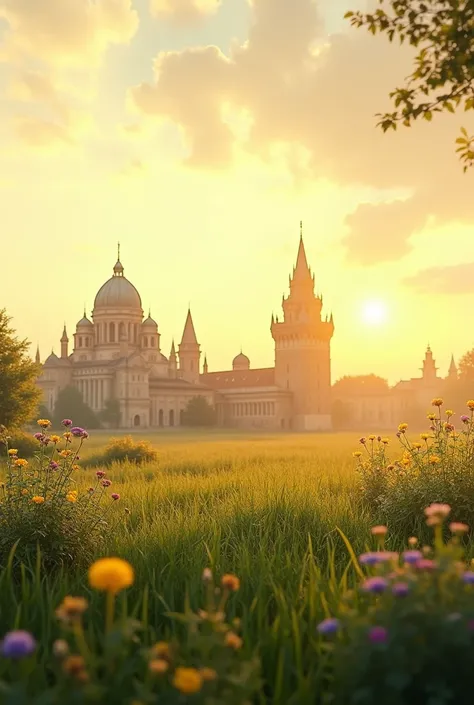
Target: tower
<point x="302" y="349"/>
<point x="189" y="353"/>
<point x="173" y="362"/>
<point x="429" y="369"/>
<point x="64" y="343"/>
<point x="205" y="368"/>
<point x="37" y="356"/>
<point x="453" y="370"/>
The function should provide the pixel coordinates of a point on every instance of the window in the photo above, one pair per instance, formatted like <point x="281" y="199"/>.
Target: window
<point x="152" y="342"/>
<point x="80" y="341"/>
<point x="112" y="332"/>
<point x="145" y="341"/>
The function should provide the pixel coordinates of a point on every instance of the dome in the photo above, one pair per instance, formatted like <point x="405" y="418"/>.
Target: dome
<point x="52" y="359"/>
<point x="149" y="322"/>
<point x="241" y="362"/>
<point x="84" y="322"/>
<point x="118" y="292"/>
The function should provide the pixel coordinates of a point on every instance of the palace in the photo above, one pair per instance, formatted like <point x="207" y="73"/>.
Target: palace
<point x="117" y="355"/>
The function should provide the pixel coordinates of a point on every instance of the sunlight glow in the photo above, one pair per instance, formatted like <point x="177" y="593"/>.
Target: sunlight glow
<point x="374" y="313"/>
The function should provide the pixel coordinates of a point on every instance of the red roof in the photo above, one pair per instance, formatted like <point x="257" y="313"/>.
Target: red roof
<point x="264" y="377"/>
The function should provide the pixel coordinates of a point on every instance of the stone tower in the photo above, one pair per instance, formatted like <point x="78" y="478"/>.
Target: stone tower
<point x="189" y="353"/>
<point x="302" y="350"/>
<point x="429" y="369"/>
<point x="64" y="343"/>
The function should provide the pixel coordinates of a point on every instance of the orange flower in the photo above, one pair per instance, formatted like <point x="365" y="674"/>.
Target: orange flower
<point x="231" y="582"/>
<point x="232" y="640"/>
<point x="470" y="404"/>
<point x="457" y="527"/>
<point x="158" y="666"/>
<point x="378" y="530"/>
<point x="437" y="402"/>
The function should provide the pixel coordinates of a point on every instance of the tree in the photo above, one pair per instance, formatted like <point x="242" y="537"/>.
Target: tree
<point x="199" y="412"/>
<point x="466" y="367"/>
<point x="111" y="413"/>
<point x="359" y="385"/>
<point x="19" y="393"/>
<point x="70" y="404"/>
<point x="443" y="72"/>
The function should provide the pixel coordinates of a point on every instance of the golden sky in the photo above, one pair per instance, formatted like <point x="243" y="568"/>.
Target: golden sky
<point x="199" y="133"/>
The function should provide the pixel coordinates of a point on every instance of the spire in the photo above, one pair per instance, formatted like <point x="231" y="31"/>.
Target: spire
<point x="205" y="368"/>
<point x="189" y="334"/>
<point x="453" y="370"/>
<point x="37" y="356"/>
<point x="118" y="268"/>
<point x="64" y="338"/>
<point x="173" y="349"/>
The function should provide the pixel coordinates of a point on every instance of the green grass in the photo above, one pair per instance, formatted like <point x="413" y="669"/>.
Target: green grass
<point x="266" y="507"/>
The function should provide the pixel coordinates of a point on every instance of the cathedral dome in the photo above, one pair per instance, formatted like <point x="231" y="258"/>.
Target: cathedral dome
<point x="241" y="362"/>
<point x="149" y="322"/>
<point x="118" y="292"/>
<point x="84" y="322"/>
<point x="52" y="359"/>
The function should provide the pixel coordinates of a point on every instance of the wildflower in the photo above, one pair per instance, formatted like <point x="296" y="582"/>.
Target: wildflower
<point x="363" y="441"/>
<point x="90" y="490"/>
<point x="437" y="402"/>
<point x="71" y="497"/>
<point x="208" y="674"/>
<point x="60" y="648"/>
<point x="412" y="541"/>
<point x="67" y="436"/>
<point x="412" y="556"/>
<point x="436" y="509"/>
<point x="74" y="665"/>
<point x="158" y="666"/>
<point x="115" y="496"/>
<point x="402" y="427"/>
<point x="400" y="589"/>
<point x="371" y="558"/>
<point x="76" y="467"/>
<point x="18" y="644"/>
<point x="55" y="438"/>
<point x="417" y="445"/>
<point x="457" y="527"/>
<point x="79" y="432"/>
<point x="328" y="626"/>
<point x="66" y="422"/>
<point x="106" y="483"/>
<point x="357" y="454"/>
<point x="65" y="453"/>
<point x="378" y="635"/>
<point x="385" y="441"/>
<point x="38" y="436"/>
<point x="434" y="459"/>
<point x="37" y="499"/>
<point x="161" y="650"/>
<point x="468" y="577"/>
<point x="470" y="404"/>
<point x="111" y="575"/>
<point x="425" y="564"/>
<point x="464" y="418"/>
<point x="100" y="474"/>
<point x="376" y="584"/>
<point x="187" y="680"/>
<point x="424" y="436"/>
<point x="231" y="582"/>
<point x="53" y="465"/>
<point x="20" y="463"/>
<point x="13" y="451"/>
<point x="378" y="530"/>
<point x="448" y="427"/>
<point x="232" y="640"/>
<point x="207" y="575"/>
<point x="44" y="423"/>
<point x="71" y="608"/>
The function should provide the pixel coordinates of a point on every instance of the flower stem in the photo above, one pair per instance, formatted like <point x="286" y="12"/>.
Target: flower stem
<point x="109" y="612"/>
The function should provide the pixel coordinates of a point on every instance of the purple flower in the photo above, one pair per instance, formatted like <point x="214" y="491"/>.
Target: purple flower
<point x="328" y="626"/>
<point x="464" y="418"/>
<point x="78" y="432"/>
<point x="115" y="496"/>
<point x="106" y="483"/>
<point x="412" y="556"/>
<point x="400" y="589"/>
<point x="376" y="584"/>
<point x="39" y="436"/>
<point x="378" y="635"/>
<point x="18" y="644"/>
<point x="371" y="558"/>
<point x="66" y="422"/>
<point x="53" y="465"/>
<point x="100" y="473"/>
<point x="468" y="577"/>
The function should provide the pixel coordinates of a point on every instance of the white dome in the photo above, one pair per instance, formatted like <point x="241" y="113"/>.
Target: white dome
<point x="118" y="292"/>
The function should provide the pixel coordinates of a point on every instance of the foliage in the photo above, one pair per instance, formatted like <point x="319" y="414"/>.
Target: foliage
<point x="443" y="74"/>
<point x="199" y="412"/>
<point x="110" y="414"/>
<point x="19" y="393"/>
<point x="40" y="507"/>
<point x="466" y="368"/>
<point x="124" y="449"/>
<point x="439" y="467"/>
<point x="406" y="634"/>
<point x="70" y="403"/>
<point x="25" y="444"/>
<point x="119" y="665"/>
<point x="359" y="385"/>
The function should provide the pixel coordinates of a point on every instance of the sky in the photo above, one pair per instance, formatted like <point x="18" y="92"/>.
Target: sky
<point x="198" y="133"/>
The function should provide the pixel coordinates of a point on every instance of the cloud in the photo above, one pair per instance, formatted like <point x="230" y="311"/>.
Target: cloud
<point x="184" y="12"/>
<point x="36" y="132"/>
<point x="455" y="279"/>
<point x="301" y="88"/>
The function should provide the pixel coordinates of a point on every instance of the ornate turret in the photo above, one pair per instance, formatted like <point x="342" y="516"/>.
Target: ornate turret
<point x="173" y="361"/>
<point x="64" y="343"/>
<point x="189" y="352"/>
<point x="205" y="368"/>
<point x="241" y="362"/>
<point x="453" y="370"/>
<point x="429" y="369"/>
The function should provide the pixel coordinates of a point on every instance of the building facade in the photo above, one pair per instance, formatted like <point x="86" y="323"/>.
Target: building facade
<point x="117" y="355"/>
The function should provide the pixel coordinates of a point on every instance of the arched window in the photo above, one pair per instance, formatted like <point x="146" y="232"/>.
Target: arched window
<point x="87" y="342"/>
<point x="171" y="423"/>
<point x="112" y="332"/>
<point x="80" y="341"/>
<point x="145" y="341"/>
<point x="152" y="341"/>
<point x="160" y="417"/>
<point x="136" y="420"/>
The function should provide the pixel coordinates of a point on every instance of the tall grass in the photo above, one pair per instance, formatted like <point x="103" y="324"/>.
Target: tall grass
<point x="269" y="508"/>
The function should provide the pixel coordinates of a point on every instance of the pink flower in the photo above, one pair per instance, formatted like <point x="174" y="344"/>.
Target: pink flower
<point x="378" y="635"/>
<point x="457" y="528"/>
<point x="115" y="496"/>
<point x="436" y="509"/>
<point x="106" y="483"/>
<point x="378" y="530"/>
<point x="376" y="584"/>
<point x="100" y="474"/>
<point x="425" y="564"/>
<point x="66" y="422"/>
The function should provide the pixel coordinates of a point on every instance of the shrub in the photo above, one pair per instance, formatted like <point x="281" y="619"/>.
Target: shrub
<point x="40" y="506"/>
<point x="436" y="467"/>
<point x="406" y="634"/>
<point x="123" y="665"/>
<point x="26" y="445"/>
<point x="124" y="449"/>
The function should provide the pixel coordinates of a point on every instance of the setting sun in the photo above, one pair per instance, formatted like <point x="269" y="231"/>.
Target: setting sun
<point x="374" y="313"/>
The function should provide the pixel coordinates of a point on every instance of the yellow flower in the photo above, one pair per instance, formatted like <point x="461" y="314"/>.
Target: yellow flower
<point x="44" y="423"/>
<point x="24" y="492"/>
<point x="402" y="427"/>
<point x="417" y="446"/>
<point x="372" y="438"/>
<point x="13" y="451"/>
<point x="158" y="665"/>
<point x="161" y="650"/>
<point x="449" y="412"/>
<point x="37" y="500"/>
<point x="231" y="582"/>
<point x="431" y="417"/>
<point x="385" y="441"/>
<point x="437" y="402"/>
<point x="111" y="575"/>
<point x="232" y="640"/>
<point x="357" y="454"/>
<point x="21" y="462"/>
<point x="187" y="680"/>
<point x="470" y="404"/>
<point x="76" y="467"/>
<point x="424" y="436"/>
<point x="208" y="674"/>
<point x="435" y="459"/>
<point x="65" y="453"/>
<point x="67" y="435"/>
<point x="71" y="497"/>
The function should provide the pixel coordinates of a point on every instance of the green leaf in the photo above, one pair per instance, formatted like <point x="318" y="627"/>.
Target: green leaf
<point x="428" y="115"/>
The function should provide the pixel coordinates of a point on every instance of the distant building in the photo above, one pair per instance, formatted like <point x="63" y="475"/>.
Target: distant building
<point x="384" y="408"/>
<point x="117" y="355"/>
